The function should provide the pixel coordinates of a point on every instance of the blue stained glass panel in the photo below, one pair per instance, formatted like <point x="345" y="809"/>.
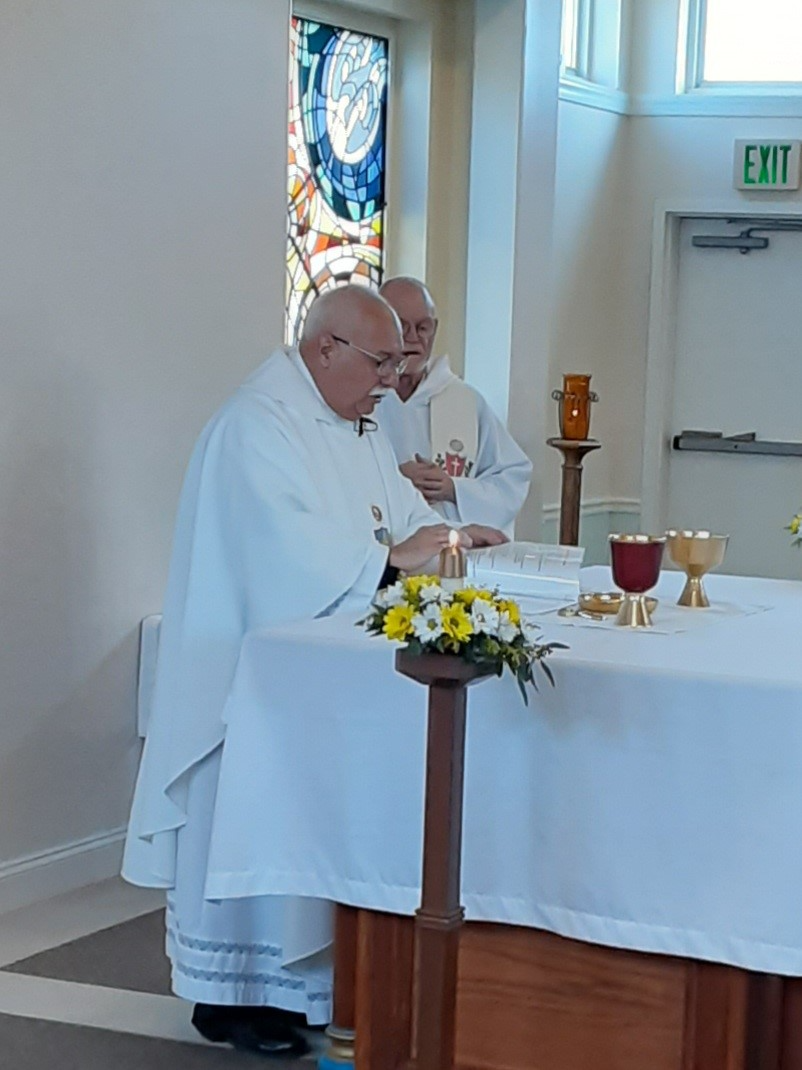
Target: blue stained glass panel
<point x="336" y="174"/>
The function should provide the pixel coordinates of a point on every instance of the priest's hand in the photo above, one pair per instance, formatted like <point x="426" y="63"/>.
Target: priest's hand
<point x="438" y="486"/>
<point x="419" y="549"/>
<point x="434" y="484"/>
<point x="481" y="535"/>
<point x="417" y="470"/>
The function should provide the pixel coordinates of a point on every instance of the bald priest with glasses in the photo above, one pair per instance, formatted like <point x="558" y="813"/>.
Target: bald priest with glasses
<point x="449" y="442"/>
<point x="292" y="507"/>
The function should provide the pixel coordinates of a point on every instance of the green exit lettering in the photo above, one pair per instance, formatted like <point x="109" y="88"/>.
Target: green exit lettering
<point x="766" y="165"/>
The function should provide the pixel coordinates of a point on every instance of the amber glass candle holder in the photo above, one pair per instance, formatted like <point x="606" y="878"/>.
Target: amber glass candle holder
<point x="636" y="561"/>
<point x="573" y="407"/>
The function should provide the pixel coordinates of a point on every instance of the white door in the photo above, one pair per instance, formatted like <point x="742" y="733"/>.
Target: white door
<point x="739" y="369"/>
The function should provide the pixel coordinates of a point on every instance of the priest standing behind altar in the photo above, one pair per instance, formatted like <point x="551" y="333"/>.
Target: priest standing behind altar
<point x="448" y="440"/>
<point x="292" y="507"/>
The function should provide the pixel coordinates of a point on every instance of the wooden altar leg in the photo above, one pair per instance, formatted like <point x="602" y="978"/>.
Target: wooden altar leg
<point x="715" y="1017"/>
<point x="792" y="1024"/>
<point x="734" y="1019"/>
<point x="340" y="1034"/>
<point x="764" y="1023"/>
<point x="385" y="965"/>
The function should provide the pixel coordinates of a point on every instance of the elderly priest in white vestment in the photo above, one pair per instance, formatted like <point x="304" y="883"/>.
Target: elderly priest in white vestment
<point x="448" y="440"/>
<point x="292" y="507"/>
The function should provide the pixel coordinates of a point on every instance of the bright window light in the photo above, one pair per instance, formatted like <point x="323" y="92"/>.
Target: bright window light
<point x="753" y="41"/>
<point x="569" y="45"/>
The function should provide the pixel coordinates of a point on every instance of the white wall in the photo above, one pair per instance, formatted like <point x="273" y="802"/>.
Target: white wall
<point x="142" y="235"/>
<point x="590" y="228"/>
<point x="612" y="171"/>
<point x="510" y="224"/>
<point x="674" y="159"/>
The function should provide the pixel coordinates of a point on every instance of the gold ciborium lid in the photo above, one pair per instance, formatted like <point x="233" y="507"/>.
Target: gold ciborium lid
<point x="696" y="552"/>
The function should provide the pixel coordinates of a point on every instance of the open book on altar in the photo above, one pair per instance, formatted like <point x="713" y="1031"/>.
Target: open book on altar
<point x="528" y="570"/>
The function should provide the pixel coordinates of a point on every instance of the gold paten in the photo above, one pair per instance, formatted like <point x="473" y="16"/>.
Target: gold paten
<point x="696" y="552"/>
<point x="608" y="602"/>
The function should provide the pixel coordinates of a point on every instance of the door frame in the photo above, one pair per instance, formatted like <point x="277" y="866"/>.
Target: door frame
<point x="661" y="347"/>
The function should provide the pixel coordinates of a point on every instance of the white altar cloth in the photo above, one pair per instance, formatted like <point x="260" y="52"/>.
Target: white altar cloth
<point x="652" y="800"/>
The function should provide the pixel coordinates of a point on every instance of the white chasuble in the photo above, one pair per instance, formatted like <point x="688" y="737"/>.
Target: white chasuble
<point x="286" y="513"/>
<point x="448" y="422"/>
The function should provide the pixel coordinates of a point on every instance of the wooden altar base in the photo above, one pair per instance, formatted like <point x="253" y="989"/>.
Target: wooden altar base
<point x="530" y="1000"/>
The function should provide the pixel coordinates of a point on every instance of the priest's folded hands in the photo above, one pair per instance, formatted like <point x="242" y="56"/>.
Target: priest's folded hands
<point x="434" y="483"/>
<point x="427" y="542"/>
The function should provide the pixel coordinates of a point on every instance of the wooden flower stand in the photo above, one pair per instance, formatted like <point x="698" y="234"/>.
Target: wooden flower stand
<point x="440" y="916"/>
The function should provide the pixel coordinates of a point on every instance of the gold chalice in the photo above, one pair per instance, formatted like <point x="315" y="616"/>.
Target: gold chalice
<point x="696" y="552"/>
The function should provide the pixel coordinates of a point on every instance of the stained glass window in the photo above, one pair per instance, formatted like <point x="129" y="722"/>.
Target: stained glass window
<point x="336" y="177"/>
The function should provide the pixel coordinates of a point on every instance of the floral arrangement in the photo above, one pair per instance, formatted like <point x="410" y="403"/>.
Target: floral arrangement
<point x="473" y="623"/>
<point x="794" y="527"/>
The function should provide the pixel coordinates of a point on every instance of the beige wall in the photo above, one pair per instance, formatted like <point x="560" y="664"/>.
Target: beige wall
<point x="142" y="235"/>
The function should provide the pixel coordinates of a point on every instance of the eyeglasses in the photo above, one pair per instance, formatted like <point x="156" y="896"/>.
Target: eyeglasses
<point x="384" y="365"/>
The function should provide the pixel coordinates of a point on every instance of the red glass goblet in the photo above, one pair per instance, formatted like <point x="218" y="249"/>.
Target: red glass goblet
<point x="636" y="563"/>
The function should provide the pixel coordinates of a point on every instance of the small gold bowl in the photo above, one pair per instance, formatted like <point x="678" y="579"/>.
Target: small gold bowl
<point x="607" y="602"/>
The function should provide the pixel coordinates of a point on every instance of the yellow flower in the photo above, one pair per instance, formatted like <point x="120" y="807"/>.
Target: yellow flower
<point x="510" y="608"/>
<point x="468" y="595"/>
<point x="795" y="524"/>
<point x="456" y="622"/>
<point x="398" y="622"/>
<point x="413" y="584"/>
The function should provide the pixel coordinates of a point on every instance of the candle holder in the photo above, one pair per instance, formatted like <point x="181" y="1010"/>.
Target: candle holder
<point x="452" y="564"/>
<point x="636" y="569"/>
<point x="573" y="407"/>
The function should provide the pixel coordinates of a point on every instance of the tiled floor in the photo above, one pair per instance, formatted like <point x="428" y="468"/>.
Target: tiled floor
<point x="101" y="1001"/>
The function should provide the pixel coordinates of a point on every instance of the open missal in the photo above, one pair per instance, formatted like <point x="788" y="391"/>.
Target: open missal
<point x="528" y="570"/>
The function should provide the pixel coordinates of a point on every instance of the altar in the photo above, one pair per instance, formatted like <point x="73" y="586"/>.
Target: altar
<point x="632" y="862"/>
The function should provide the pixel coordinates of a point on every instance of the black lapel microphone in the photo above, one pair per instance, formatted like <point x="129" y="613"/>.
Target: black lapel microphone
<point x="363" y="424"/>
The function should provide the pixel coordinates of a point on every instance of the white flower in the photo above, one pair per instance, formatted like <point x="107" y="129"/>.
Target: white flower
<point x="431" y="593"/>
<point x="484" y="617"/>
<point x="427" y="624"/>
<point x="391" y="596"/>
<point x="507" y="631"/>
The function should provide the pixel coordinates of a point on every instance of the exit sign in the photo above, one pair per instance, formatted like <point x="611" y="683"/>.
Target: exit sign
<point x="765" y="165"/>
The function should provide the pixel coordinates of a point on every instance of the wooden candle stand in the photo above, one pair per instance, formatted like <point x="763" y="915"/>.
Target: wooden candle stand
<point x="574" y="452"/>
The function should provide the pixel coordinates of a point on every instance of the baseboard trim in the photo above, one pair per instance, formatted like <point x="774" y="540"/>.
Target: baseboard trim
<point x="595" y="506"/>
<point x="34" y="878"/>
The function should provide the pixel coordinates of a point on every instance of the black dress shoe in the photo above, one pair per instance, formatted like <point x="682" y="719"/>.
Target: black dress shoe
<point x="263" y="1030"/>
